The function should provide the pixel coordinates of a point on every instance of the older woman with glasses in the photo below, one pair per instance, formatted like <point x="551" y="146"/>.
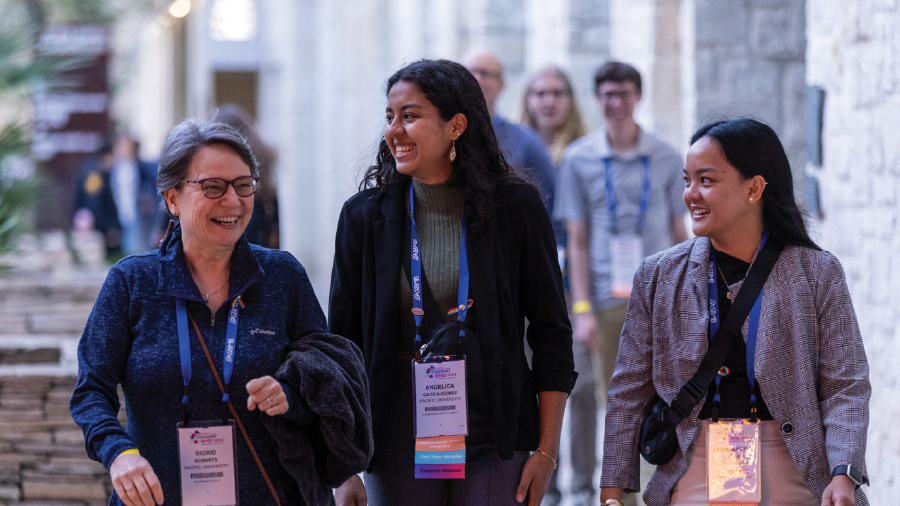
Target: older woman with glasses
<point x="234" y="393"/>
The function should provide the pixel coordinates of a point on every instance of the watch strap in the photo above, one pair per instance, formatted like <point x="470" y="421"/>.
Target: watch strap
<point x="852" y="472"/>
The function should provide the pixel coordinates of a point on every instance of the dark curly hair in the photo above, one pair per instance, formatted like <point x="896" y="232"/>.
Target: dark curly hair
<point x="479" y="166"/>
<point x="753" y="148"/>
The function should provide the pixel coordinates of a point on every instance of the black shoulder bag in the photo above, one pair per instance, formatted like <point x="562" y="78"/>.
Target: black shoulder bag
<point x="658" y="439"/>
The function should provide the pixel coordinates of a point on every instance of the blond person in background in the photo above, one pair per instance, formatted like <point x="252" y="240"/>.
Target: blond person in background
<point x="549" y="107"/>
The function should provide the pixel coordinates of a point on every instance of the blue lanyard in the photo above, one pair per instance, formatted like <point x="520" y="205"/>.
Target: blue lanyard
<point x="462" y="294"/>
<point x="712" y="287"/>
<point x="611" y="194"/>
<point x="184" y="344"/>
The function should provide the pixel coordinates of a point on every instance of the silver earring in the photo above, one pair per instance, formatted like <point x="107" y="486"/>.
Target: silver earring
<point x="453" y="151"/>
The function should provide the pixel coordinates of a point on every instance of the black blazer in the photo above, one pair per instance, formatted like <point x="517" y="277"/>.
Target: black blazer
<point x="514" y="275"/>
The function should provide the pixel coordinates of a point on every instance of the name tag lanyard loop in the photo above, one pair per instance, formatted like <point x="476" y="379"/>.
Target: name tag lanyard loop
<point x="752" y="330"/>
<point x="611" y="194"/>
<point x="462" y="293"/>
<point x="184" y="345"/>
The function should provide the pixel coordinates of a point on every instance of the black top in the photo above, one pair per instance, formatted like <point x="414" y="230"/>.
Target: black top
<point x="735" y="388"/>
<point x="514" y="275"/>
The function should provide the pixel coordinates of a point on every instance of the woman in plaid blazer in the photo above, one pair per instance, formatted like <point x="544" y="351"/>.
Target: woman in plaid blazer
<point x="810" y="365"/>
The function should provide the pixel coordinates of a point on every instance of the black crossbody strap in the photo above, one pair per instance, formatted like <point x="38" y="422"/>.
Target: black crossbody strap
<point x="692" y="391"/>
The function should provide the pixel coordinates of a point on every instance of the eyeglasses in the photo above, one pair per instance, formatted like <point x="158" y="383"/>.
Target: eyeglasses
<point x="482" y="73"/>
<point x="215" y="187"/>
<point x="541" y="94"/>
<point x="621" y="95"/>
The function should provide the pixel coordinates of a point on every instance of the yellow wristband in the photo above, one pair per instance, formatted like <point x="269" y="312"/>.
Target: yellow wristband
<point x="130" y="451"/>
<point x="581" y="306"/>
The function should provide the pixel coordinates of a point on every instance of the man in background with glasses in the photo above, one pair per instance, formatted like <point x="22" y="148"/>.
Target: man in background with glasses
<point x="521" y="145"/>
<point x="620" y="196"/>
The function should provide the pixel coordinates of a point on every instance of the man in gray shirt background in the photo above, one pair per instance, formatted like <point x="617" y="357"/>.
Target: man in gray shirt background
<point x="620" y="196"/>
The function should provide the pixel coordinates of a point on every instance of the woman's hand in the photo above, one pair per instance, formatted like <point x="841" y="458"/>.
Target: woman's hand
<point x="611" y="493"/>
<point x="351" y="493"/>
<point x="840" y="492"/>
<point x="267" y="395"/>
<point x="535" y="479"/>
<point x="134" y="481"/>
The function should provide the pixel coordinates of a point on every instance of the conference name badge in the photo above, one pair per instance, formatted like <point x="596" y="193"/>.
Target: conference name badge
<point x="441" y="404"/>
<point x="626" y="252"/>
<point x="733" y="463"/>
<point x="207" y="465"/>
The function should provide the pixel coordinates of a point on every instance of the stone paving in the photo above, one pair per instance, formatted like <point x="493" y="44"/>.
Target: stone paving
<point x="44" y="304"/>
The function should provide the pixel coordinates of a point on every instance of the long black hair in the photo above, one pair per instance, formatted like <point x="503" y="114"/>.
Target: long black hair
<point x="753" y="148"/>
<point x="479" y="164"/>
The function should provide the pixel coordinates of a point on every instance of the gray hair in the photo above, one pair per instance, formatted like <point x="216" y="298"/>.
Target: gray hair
<point x="186" y="139"/>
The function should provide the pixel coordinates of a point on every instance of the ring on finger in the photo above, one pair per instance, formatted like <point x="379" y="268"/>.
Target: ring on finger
<point x="270" y="402"/>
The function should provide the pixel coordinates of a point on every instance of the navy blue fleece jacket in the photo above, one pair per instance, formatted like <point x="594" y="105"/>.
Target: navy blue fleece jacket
<point x="131" y="340"/>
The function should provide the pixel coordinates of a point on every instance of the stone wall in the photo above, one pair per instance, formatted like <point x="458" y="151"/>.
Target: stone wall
<point x="749" y="59"/>
<point x="853" y="54"/>
<point x="703" y="60"/>
<point x="42" y="456"/>
<point x="645" y="33"/>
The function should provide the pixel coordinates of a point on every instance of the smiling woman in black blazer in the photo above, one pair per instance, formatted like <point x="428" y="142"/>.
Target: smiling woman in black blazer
<point x="438" y="140"/>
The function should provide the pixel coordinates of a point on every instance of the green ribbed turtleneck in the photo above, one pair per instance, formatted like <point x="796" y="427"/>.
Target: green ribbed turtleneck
<point x="438" y="218"/>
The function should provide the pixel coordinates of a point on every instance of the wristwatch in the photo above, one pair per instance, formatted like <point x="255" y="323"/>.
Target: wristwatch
<point x="612" y="502"/>
<point x="852" y="472"/>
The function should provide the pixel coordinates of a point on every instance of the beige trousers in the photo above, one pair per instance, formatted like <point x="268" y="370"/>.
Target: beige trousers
<point x="782" y="483"/>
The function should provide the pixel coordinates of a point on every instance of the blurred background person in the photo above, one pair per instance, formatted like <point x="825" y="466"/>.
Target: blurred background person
<point x="620" y="196"/>
<point x="133" y="184"/>
<point x="550" y="108"/>
<point x="95" y="203"/>
<point x="263" y="227"/>
<point x="522" y="147"/>
<point x="258" y="301"/>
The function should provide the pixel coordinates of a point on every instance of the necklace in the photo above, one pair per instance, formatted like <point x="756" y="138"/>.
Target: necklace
<point x="730" y="296"/>
<point x="206" y="296"/>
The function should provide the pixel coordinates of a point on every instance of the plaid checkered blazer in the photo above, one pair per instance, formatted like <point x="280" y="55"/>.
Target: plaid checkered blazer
<point x="810" y="364"/>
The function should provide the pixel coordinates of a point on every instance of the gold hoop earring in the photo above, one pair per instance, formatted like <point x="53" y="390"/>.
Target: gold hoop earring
<point x="453" y="151"/>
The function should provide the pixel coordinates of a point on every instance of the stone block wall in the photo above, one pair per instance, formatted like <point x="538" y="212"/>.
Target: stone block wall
<point x="647" y="34"/>
<point x="853" y="54"/>
<point x="704" y="60"/>
<point x="42" y="456"/>
<point x="749" y="59"/>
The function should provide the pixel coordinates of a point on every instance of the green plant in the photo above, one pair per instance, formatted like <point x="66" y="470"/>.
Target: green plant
<point x="16" y="194"/>
<point x="20" y="73"/>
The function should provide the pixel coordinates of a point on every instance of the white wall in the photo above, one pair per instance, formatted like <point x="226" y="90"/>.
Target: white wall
<point x="852" y="54"/>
